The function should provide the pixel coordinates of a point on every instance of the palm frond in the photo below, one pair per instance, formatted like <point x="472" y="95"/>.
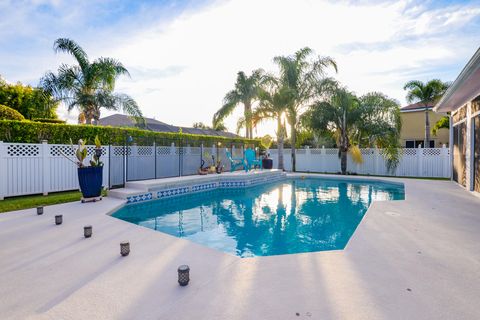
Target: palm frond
<point x="240" y="124"/>
<point x="231" y="100"/>
<point x="356" y="154"/>
<point x="443" y="123"/>
<point x="69" y="46"/>
<point x="106" y="71"/>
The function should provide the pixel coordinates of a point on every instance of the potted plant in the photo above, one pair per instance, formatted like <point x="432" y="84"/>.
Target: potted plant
<point x="266" y="143"/>
<point x="89" y="177"/>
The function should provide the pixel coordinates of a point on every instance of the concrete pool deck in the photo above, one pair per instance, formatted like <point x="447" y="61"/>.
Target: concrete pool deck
<point x="412" y="259"/>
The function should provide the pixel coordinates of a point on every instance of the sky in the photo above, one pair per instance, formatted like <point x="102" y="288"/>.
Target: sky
<point x="183" y="56"/>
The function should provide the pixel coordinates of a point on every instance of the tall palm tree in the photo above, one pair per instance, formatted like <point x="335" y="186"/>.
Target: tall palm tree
<point x="88" y="86"/>
<point x="246" y="93"/>
<point x="275" y="99"/>
<point x="301" y="73"/>
<point x="425" y="93"/>
<point x="372" y="119"/>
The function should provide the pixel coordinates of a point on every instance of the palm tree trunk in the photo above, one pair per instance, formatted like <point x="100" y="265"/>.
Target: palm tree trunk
<point x="427" y="129"/>
<point x="280" y="143"/>
<point x="343" y="160"/>
<point x="88" y="115"/>
<point x="248" y="120"/>
<point x="343" y="150"/>
<point x="293" y="138"/>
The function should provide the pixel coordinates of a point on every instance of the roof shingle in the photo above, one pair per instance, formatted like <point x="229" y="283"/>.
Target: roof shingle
<point x="415" y="106"/>
<point x="121" y="120"/>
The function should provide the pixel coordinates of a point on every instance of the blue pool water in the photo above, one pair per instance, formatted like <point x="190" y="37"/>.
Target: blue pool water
<point x="288" y="216"/>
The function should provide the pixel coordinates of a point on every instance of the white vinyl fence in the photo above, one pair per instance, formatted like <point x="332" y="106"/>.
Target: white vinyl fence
<point x="40" y="168"/>
<point x="27" y="168"/>
<point x="153" y="162"/>
<point x="419" y="162"/>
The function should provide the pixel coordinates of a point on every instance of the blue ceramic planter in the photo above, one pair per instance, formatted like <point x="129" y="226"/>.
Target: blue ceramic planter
<point x="267" y="163"/>
<point x="90" y="180"/>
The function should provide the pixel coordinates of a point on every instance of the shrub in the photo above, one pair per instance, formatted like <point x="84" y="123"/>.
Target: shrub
<point x="35" y="132"/>
<point x="30" y="102"/>
<point x="7" y="113"/>
<point x="45" y="120"/>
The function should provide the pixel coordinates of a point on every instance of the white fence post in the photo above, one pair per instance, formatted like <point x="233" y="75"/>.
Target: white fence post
<point x="376" y="164"/>
<point x="125" y="164"/>
<point x="322" y="160"/>
<point x="46" y="167"/>
<point x="3" y="171"/>
<point x="106" y="167"/>
<point x="420" y="161"/>
<point x="308" y="159"/>
<point x="446" y="161"/>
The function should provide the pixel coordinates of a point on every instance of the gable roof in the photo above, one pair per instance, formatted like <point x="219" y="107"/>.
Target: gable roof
<point x="121" y="120"/>
<point x="419" y="106"/>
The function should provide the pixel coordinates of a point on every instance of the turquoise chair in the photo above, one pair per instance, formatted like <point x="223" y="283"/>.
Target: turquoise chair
<point x="252" y="160"/>
<point x="235" y="162"/>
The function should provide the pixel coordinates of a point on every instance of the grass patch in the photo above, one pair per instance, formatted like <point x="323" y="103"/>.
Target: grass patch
<point x="26" y="202"/>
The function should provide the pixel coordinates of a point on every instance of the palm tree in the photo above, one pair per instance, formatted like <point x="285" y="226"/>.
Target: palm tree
<point x="372" y="119"/>
<point x="275" y="99"/>
<point x="301" y="74"/>
<point x="425" y="94"/>
<point x="246" y="93"/>
<point x="88" y="86"/>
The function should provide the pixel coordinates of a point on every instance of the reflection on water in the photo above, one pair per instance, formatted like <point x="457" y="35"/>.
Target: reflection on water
<point x="291" y="216"/>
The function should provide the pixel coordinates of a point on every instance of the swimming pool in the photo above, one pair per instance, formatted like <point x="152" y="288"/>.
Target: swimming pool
<point x="283" y="217"/>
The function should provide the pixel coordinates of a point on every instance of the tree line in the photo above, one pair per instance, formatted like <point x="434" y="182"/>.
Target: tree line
<point x="301" y="94"/>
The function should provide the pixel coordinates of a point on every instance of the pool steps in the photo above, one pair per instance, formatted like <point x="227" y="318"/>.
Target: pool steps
<point x="146" y="190"/>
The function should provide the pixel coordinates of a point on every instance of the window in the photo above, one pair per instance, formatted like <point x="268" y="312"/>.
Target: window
<point x="417" y="143"/>
<point x="409" y="144"/>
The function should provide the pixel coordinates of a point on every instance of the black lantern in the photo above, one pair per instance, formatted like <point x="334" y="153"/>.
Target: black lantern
<point x="39" y="210"/>
<point x="183" y="275"/>
<point x="87" y="231"/>
<point x="124" y="248"/>
<point x="58" y="219"/>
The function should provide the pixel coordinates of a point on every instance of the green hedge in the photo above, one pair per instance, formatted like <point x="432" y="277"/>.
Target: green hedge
<point x="35" y="132"/>
<point x="7" y="113"/>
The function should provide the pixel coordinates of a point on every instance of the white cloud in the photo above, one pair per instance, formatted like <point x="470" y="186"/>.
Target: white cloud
<point x="182" y="65"/>
<point x="377" y="47"/>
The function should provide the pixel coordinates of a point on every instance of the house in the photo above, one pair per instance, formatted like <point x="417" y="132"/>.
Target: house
<point x="121" y="120"/>
<point x="462" y="99"/>
<point x="412" y="134"/>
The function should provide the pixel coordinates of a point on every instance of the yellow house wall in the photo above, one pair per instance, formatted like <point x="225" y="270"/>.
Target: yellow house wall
<point x="413" y="127"/>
